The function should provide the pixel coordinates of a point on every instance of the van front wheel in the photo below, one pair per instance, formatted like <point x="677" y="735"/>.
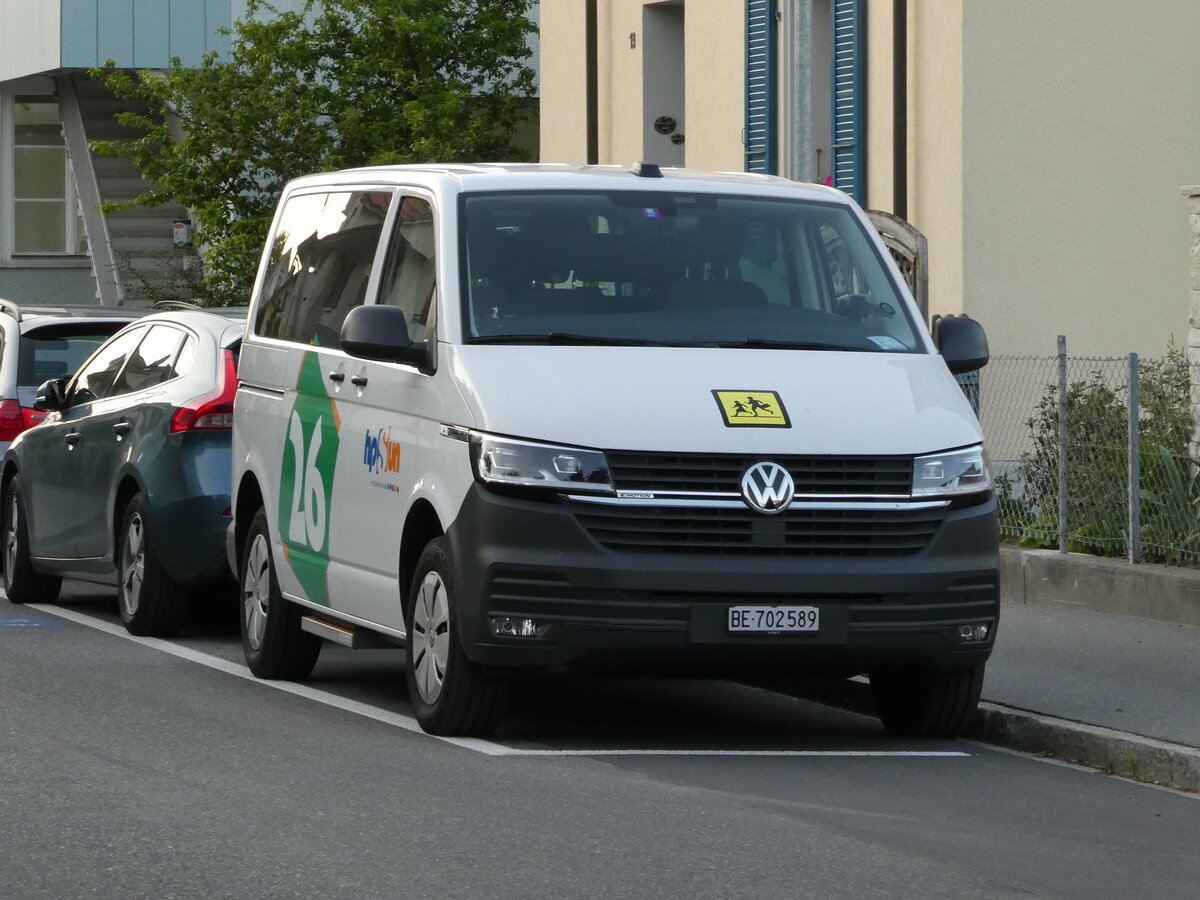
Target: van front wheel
<point x="273" y="642"/>
<point x="450" y="694"/>
<point x="914" y="702"/>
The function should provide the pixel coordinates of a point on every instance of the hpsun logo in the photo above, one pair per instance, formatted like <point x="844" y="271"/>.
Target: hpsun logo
<point x="768" y="488"/>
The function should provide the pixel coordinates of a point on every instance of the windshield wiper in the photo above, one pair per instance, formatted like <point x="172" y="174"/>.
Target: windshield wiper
<point x="763" y="344"/>
<point x="564" y="337"/>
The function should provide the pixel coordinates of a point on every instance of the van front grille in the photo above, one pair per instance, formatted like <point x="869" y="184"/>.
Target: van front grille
<point x="860" y="476"/>
<point x="796" y="532"/>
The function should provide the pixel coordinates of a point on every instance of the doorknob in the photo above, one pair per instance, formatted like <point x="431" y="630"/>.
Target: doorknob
<point x="72" y="438"/>
<point x="121" y="429"/>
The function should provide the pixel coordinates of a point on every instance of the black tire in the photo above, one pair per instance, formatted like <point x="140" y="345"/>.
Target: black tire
<point x="22" y="583"/>
<point x="150" y="602"/>
<point x="450" y="694"/>
<point x="918" y="703"/>
<point x="272" y="640"/>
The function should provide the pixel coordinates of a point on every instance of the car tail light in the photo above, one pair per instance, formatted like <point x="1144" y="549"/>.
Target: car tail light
<point x="12" y="420"/>
<point x="212" y="411"/>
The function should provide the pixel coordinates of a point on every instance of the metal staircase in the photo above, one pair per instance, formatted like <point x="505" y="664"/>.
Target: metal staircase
<point x="134" y="257"/>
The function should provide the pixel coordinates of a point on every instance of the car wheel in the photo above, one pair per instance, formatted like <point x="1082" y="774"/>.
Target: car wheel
<point x="22" y="583"/>
<point x="919" y="703"/>
<point x="150" y="602"/>
<point x="450" y="694"/>
<point x="274" y="644"/>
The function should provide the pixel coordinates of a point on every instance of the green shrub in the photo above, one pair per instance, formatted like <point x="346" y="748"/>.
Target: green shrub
<point x="1098" y="473"/>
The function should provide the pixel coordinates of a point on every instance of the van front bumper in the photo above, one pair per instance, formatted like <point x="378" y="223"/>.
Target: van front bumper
<point x="539" y="563"/>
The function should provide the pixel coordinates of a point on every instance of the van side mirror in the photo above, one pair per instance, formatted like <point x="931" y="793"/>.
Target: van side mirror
<point x="962" y="343"/>
<point x="381" y="333"/>
<point x="51" y="396"/>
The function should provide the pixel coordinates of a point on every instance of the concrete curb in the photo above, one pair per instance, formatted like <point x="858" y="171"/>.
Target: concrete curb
<point x="1113" y="752"/>
<point x="1080" y="581"/>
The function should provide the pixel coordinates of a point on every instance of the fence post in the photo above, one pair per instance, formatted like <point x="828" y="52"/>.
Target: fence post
<point x="1135" y="464"/>
<point x="1063" y="526"/>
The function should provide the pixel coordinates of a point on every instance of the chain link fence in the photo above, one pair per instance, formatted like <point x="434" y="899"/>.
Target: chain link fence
<point x="1091" y="454"/>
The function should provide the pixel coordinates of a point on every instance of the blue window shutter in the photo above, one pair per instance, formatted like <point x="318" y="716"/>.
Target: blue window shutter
<point x="849" y="98"/>
<point x="760" y="86"/>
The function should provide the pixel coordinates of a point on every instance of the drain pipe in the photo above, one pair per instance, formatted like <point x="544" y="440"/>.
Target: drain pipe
<point x="900" y="108"/>
<point x="591" y="63"/>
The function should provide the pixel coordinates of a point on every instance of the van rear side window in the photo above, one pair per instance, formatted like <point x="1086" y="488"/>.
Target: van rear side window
<point x="320" y="264"/>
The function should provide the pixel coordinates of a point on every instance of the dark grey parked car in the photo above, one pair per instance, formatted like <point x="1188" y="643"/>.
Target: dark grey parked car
<point x="128" y="477"/>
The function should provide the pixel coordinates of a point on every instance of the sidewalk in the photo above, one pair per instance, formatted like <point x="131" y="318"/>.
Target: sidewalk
<point x="1112" y="691"/>
<point x="1097" y="662"/>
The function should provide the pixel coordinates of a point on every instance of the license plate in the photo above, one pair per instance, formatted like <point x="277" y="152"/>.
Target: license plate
<point x="743" y="619"/>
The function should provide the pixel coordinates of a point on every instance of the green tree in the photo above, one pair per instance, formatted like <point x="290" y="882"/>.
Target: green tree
<point x="340" y="83"/>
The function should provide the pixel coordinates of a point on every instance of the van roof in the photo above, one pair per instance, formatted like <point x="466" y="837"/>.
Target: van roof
<point x="568" y="176"/>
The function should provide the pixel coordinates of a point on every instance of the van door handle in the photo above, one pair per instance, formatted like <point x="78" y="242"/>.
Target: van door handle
<point x="72" y="438"/>
<point x="121" y="429"/>
<point x="339" y="377"/>
<point x="359" y="381"/>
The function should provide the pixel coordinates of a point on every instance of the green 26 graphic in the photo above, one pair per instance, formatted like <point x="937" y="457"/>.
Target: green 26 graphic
<point x="306" y="481"/>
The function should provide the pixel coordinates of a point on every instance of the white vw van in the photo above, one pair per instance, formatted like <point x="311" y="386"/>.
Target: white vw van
<point x="634" y="420"/>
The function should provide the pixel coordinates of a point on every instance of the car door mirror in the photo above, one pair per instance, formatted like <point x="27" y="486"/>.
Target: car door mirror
<point x="381" y="333"/>
<point x="962" y="343"/>
<point x="51" y="396"/>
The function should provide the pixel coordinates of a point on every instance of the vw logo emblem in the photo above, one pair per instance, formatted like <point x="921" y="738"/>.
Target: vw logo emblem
<point x="768" y="488"/>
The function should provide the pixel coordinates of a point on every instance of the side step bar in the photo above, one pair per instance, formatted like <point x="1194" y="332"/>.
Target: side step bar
<point x="346" y="635"/>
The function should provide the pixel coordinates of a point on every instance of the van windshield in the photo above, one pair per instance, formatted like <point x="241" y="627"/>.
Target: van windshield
<point x="650" y="268"/>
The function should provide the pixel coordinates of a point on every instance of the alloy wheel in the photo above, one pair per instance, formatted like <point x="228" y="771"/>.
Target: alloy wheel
<point x="133" y="565"/>
<point x="10" y="536"/>
<point x="256" y="584"/>
<point x="430" y="639"/>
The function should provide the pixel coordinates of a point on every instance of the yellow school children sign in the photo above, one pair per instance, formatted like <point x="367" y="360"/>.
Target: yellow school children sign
<point x="753" y="409"/>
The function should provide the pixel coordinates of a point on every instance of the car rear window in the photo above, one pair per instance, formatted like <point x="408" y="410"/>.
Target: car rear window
<point x="56" y="351"/>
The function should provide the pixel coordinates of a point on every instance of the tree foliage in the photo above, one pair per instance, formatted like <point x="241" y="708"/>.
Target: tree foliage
<point x="341" y="83"/>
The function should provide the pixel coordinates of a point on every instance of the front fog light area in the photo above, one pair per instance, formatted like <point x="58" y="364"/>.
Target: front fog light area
<point x="955" y="472"/>
<point x="974" y="633"/>
<point x="515" y="626"/>
<point x="504" y="461"/>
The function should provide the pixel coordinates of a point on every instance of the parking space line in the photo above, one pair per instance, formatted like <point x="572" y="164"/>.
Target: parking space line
<point x="408" y="723"/>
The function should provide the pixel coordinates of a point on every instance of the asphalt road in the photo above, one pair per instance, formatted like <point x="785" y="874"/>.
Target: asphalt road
<point x="137" y="768"/>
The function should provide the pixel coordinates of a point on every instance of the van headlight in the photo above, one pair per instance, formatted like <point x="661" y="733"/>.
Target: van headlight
<point x="504" y="461"/>
<point x="955" y="472"/>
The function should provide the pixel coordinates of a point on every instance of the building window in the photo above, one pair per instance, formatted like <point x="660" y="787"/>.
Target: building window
<point x="44" y="211"/>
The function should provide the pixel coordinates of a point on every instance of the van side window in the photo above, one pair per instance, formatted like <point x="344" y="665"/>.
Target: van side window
<point x="409" y="275"/>
<point x="320" y="264"/>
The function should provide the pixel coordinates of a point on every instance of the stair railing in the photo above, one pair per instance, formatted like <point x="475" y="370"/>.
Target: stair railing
<point x="95" y="223"/>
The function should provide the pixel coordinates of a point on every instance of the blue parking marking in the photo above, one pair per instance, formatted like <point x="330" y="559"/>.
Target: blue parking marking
<point x="26" y="622"/>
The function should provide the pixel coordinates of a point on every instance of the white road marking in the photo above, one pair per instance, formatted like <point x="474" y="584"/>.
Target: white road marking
<point x="408" y="723"/>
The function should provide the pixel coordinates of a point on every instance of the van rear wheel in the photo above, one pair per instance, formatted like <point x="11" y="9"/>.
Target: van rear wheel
<point x="914" y="702"/>
<point x="450" y="694"/>
<point x="274" y="644"/>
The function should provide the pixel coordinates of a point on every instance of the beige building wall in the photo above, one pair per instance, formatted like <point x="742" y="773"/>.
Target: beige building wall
<point x="1082" y="121"/>
<point x="563" y="96"/>
<point x="935" y="135"/>
<point x="1046" y="145"/>
<point x="713" y="88"/>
